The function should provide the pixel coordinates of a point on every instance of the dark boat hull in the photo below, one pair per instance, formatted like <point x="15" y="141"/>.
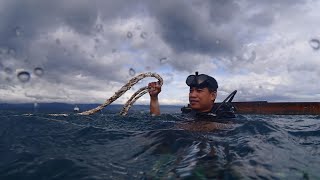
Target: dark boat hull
<point x="278" y="108"/>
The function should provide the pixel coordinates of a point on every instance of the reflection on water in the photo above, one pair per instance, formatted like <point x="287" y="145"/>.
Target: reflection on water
<point x="140" y="146"/>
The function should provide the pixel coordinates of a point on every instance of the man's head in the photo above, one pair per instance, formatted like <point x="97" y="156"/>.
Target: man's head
<point x="203" y="91"/>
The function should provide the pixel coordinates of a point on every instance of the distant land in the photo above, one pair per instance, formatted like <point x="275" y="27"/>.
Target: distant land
<point x="68" y="108"/>
<point x="253" y="107"/>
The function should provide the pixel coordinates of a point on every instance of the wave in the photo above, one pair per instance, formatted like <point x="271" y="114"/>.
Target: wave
<point x="139" y="146"/>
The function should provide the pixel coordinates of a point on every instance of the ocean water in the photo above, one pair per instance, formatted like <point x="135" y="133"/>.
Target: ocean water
<point x="170" y="146"/>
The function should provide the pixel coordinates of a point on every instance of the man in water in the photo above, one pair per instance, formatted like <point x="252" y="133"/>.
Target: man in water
<point x="202" y="94"/>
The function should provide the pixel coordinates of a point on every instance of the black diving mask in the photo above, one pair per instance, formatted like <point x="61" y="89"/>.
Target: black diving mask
<point x="201" y="81"/>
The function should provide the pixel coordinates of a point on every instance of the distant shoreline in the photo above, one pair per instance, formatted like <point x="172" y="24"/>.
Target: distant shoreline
<point x="68" y="108"/>
<point x="249" y="107"/>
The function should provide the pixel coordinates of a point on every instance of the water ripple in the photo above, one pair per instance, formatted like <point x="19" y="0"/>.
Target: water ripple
<point x="139" y="146"/>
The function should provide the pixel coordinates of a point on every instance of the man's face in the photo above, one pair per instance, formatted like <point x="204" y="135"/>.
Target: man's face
<point x="201" y="99"/>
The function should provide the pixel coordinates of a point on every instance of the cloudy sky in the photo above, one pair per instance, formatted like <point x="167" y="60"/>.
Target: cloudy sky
<point x="81" y="51"/>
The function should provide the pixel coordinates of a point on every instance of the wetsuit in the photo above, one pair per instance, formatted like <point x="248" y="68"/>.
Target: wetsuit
<point x="226" y="111"/>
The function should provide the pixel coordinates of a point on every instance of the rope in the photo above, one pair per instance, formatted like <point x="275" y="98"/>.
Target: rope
<point x="123" y="89"/>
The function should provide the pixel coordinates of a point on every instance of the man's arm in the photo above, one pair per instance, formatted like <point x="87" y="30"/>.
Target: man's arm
<point x="154" y="90"/>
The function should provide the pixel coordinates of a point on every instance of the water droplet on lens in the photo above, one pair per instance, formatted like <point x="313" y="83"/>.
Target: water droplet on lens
<point x="58" y="42"/>
<point x="24" y="76"/>
<point x="249" y="57"/>
<point x="143" y="35"/>
<point x="96" y="40"/>
<point x="132" y="72"/>
<point x="8" y="70"/>
<point x="3" y="50"/>
<point x="138" y="27"/>
<point x="18" y="31"/>
<point x="99" y="28"/>
<point x="129" y="35"/>
<point x="11" y="52"/>
<point x="38" y="71"/>
<point x="76" y="46"/>
<point x="163" y="60"/>
<point x="148" y="68"/>
<point x="8" y="79"/>
<point x="315" y="44"/>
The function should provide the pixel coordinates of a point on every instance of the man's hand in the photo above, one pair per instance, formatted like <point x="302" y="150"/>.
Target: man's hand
<point x="154" y="89"/>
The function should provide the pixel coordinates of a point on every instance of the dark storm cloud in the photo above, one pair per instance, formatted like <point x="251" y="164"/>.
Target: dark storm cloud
<point x="25" y="22"/>
<point x="185" y="31"/>
<point x="223" y="11"/>
<point x="40" y="16"/>
<point x="193" y="31"/>
<point x="262" y="19"/>
<point x="310" y="67"/>
<point x="183" y="26"/>
<point x="180" y="24"/>
<point x="35" y="17"/>
<point x="31" y="17"/>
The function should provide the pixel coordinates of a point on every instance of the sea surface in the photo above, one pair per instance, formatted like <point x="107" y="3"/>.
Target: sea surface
<point x="45" y="146"/>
